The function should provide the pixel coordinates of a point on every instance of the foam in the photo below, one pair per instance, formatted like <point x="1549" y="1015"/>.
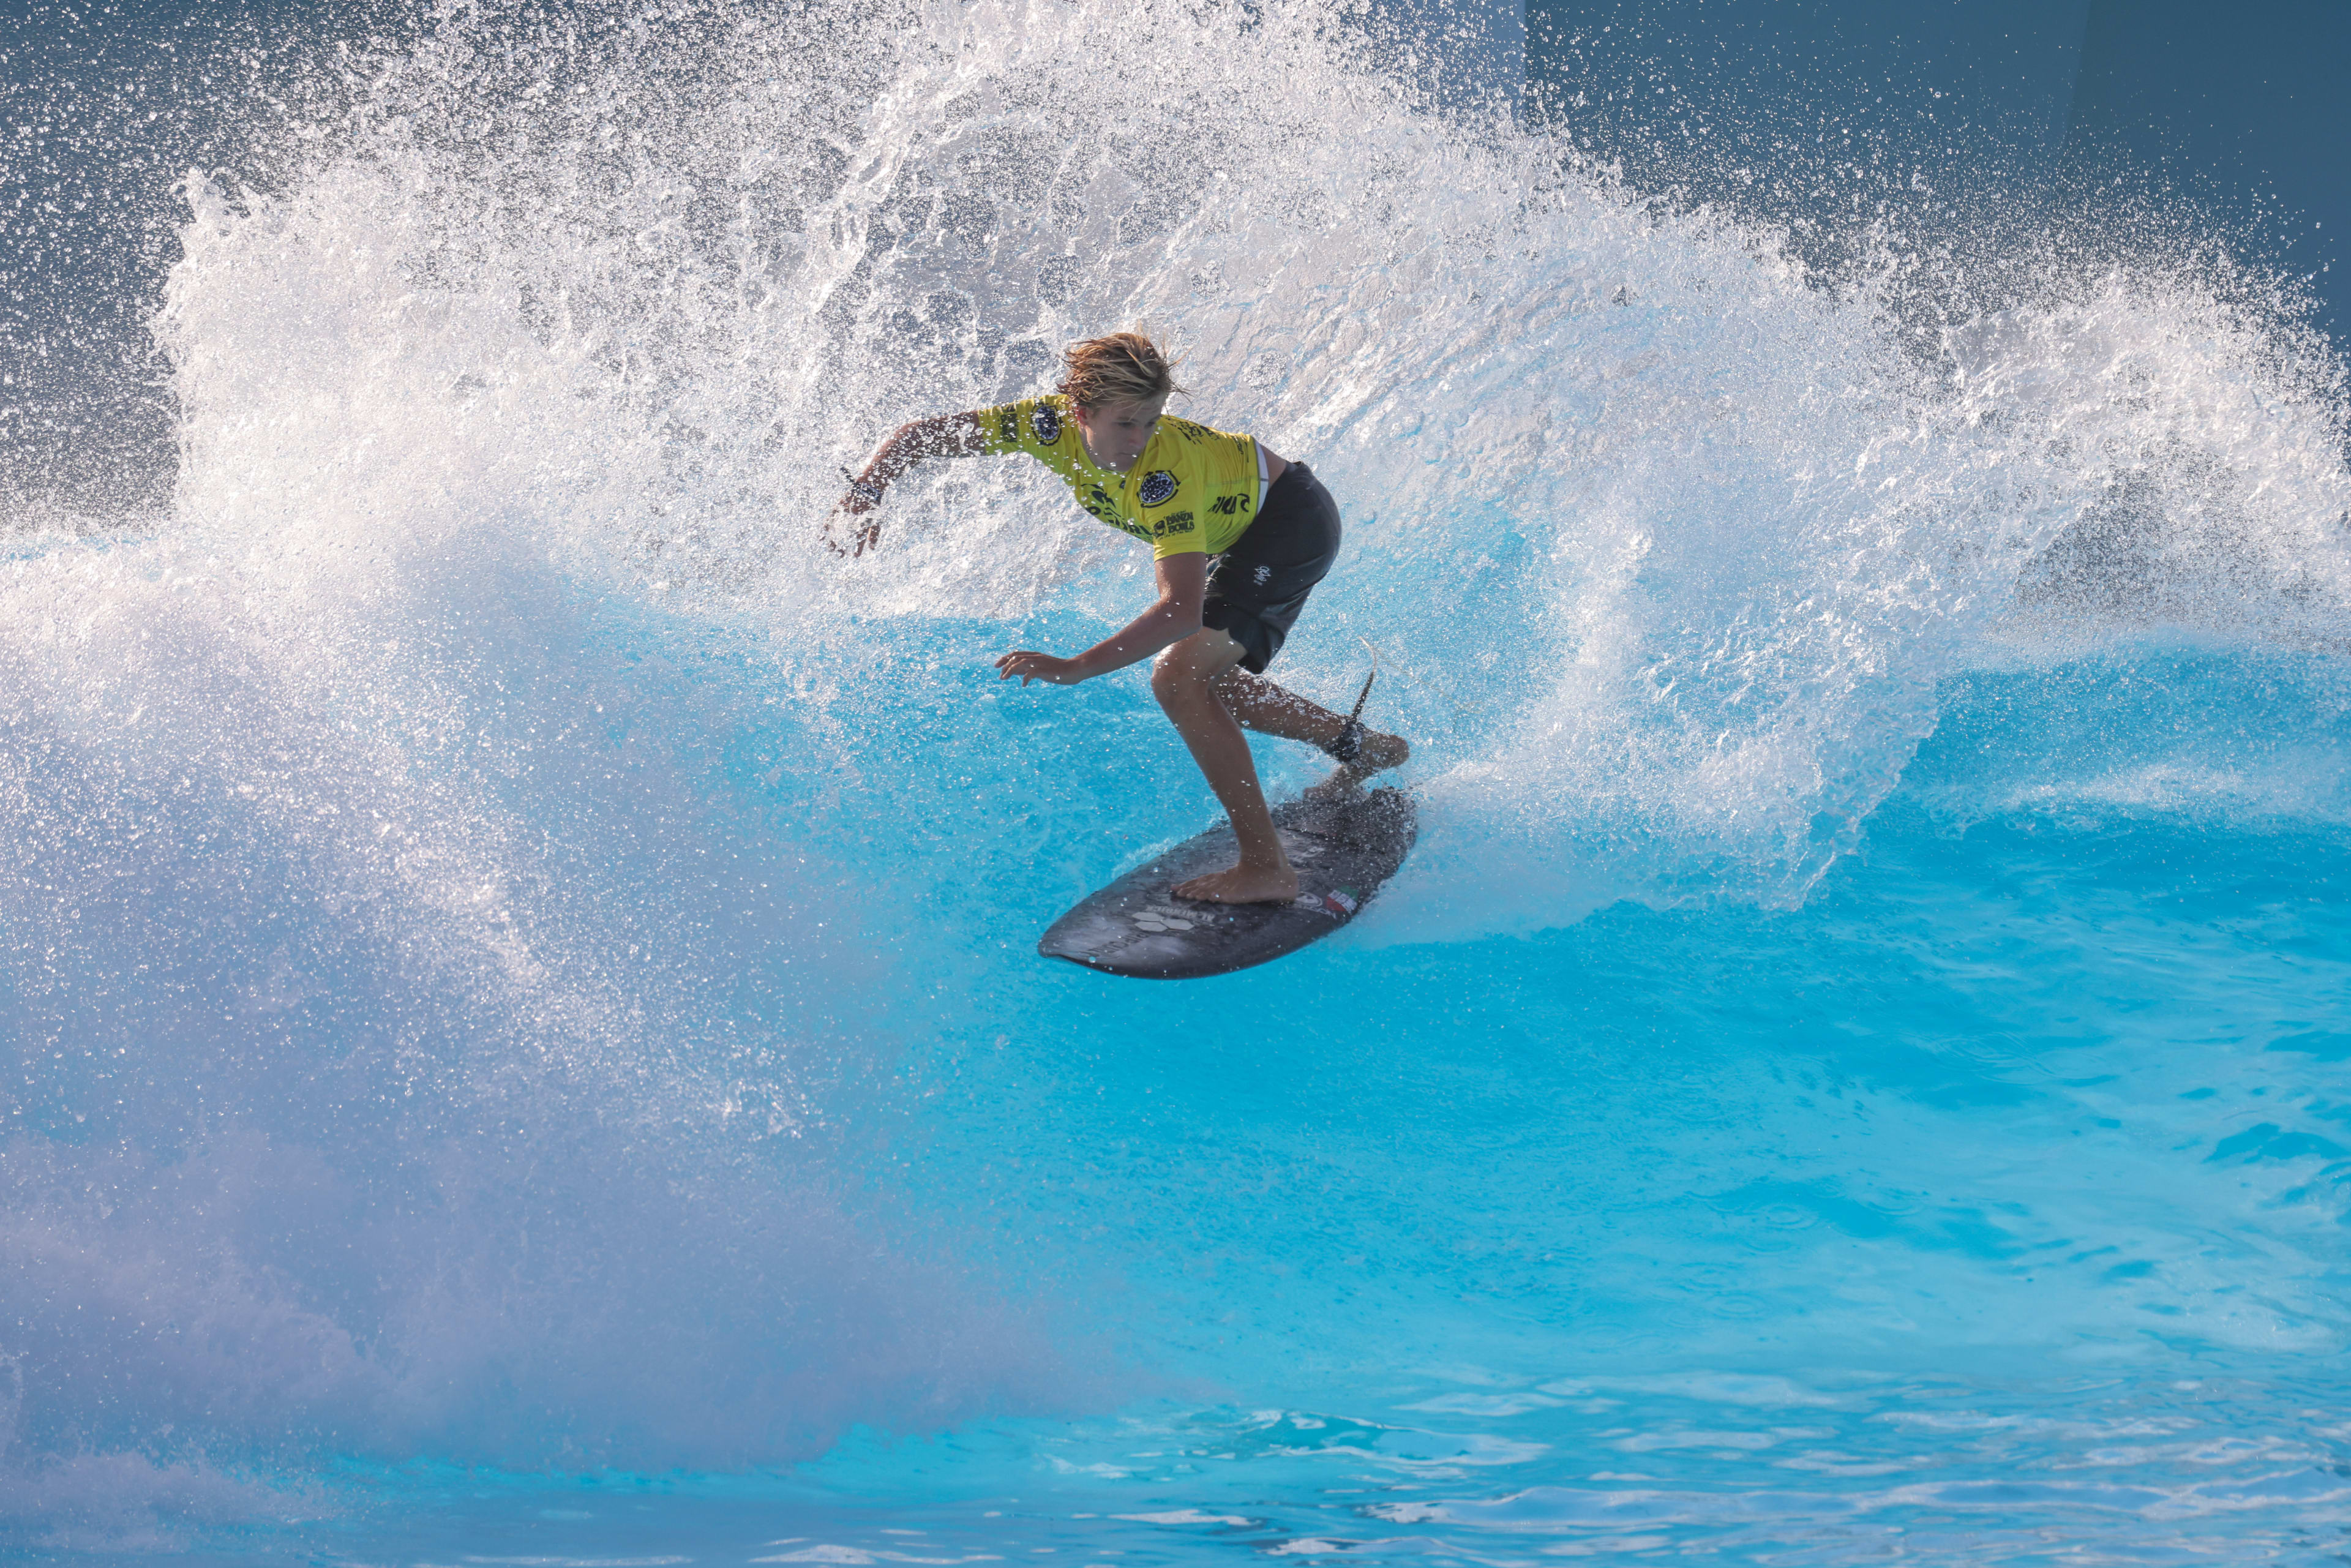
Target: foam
<point x="1667" y="548"/>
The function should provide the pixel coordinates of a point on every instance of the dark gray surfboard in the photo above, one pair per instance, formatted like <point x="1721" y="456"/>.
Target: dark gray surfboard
<point x="1344" y="849"/>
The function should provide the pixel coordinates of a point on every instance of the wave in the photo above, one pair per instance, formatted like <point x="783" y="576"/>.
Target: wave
<point x="476" y="805"/>
<point x="1670" y="546"/>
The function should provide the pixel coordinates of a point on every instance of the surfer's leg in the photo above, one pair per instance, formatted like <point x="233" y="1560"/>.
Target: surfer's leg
<point x="1259" y="704"/>
<point x="1185" y="680"/>
<point x="1256" y="590"/>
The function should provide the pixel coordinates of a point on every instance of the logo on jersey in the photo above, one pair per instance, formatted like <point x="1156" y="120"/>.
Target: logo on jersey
<point x="1045" y="420"/>
<point x="1158" y="488"/>
<point x="1172" y="523"/>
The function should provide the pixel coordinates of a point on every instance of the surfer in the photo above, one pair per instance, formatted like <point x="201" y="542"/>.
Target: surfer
<point x="1239" y="535"/>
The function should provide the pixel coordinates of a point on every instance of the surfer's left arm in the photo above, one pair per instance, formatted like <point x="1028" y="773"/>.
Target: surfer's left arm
<point x="940" y="435"/>
<point x="1183" y="590"/>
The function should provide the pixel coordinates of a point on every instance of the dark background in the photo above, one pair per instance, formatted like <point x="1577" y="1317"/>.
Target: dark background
<point x="104" y="107"/>
<point x="2162" y="117"/>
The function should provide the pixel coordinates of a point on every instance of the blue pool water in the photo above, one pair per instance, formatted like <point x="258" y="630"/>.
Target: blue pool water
<point x="525" y="1041"/>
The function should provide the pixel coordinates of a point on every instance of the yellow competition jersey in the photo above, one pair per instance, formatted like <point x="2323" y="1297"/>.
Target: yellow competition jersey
<point x="1194" y="488"/>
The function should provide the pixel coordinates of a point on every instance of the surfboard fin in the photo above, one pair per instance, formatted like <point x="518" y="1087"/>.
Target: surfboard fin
<point x="1348" y="743"/>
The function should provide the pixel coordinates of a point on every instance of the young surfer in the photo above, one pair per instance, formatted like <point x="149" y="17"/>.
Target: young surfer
<point x="1240" y="536"/>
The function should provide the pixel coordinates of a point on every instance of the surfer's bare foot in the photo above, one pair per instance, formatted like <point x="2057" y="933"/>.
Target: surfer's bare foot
<point x="1242" y="884"/>
<point x="1378" y="753"/>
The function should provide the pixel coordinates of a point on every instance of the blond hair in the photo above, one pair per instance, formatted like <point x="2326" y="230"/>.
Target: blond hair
<point x="1118" y="368"/>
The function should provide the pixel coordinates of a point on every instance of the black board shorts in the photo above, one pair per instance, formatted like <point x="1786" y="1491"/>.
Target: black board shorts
<point x="1257" y="588"/>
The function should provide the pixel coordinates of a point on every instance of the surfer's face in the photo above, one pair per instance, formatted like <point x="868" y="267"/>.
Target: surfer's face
<point x="1116" y="432"/>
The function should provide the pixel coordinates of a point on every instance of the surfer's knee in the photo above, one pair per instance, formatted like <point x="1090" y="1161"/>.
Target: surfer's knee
<point x="1178" y="682"/>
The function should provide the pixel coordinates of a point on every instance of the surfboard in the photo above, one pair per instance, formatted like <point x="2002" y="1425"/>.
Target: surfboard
<point x="1344" y="849"/>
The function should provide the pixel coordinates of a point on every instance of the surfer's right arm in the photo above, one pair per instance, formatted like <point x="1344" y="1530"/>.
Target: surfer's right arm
<point x="941" y="435"/>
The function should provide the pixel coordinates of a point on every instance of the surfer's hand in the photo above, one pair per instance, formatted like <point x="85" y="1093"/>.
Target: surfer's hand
<point x="1033" y="666"/>
<point x="862" y="535"/>
<point x="865" y="493"/>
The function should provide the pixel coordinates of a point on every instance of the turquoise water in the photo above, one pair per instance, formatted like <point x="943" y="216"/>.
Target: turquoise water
<point x="526" y="1046"/>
